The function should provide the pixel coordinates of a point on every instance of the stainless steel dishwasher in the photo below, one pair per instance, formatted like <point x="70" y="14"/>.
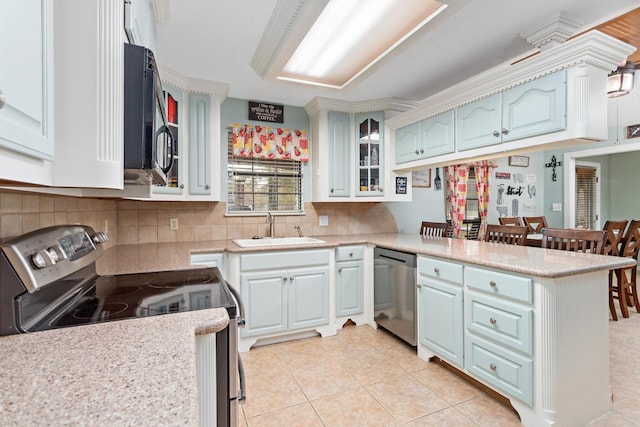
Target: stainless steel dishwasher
<point x="394" y="292"/>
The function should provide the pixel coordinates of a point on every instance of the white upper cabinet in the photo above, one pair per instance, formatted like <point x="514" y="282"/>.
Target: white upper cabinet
<point x="26" y="90"/>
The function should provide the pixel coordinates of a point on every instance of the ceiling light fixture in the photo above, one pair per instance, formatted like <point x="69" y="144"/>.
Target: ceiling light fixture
<point x="621" y="80"/>
<point x="350" y="36"/>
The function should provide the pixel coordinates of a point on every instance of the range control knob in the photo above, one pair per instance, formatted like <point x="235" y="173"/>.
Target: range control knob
<point x="56" y="253"/>
<point x="42" y="259"/>
<point x="100" y="237"/>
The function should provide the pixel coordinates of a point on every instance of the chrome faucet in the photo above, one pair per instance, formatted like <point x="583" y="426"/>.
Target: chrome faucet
<point x="297" y="227"/>
<point x="271" y="220"/>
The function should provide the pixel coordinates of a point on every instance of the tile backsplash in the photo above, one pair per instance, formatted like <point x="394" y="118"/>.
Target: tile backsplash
<point x="129" y="221"/>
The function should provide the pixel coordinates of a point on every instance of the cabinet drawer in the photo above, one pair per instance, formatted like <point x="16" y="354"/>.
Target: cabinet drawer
<point x="505" y="285"/>
<point x="289" y="259"/>
<point x="503" y="369"/>
<point x="439" y="269"/>
<point x="349" y="253"/>
<point x="502" y="321"/>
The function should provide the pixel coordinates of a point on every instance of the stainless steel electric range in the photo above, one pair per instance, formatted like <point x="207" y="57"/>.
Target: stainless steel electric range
<point x="48" y="280"/>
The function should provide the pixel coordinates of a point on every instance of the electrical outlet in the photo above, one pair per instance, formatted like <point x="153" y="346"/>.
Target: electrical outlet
<point x="173" y="223"/>
<point x="324" y="220"/>
<point x="556" y="207"/>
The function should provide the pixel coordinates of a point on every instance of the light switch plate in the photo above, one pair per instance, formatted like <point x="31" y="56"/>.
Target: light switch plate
<point x="556" y="207"/>
<point x="324" y="220"/>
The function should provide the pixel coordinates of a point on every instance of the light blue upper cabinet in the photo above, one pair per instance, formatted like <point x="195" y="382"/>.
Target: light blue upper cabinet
<point x="408" y="143"/>
<point x="478" y="124"/>
<point x="26" y="77"/>
<point x="535" y="108"/>
<point x="437" y="135"/>
<point x="339" y="126"/>
<point x="199" y="144"/>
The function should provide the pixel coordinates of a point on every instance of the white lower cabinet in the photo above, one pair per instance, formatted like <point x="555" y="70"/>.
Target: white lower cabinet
<point x="209" y="260"/>
<point x="284" y="291"/>
<point x="349" y="281"/>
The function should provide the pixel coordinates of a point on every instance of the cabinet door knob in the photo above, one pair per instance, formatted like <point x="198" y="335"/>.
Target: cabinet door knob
<point x="207" y="187"/>
<point x="340" y="270"/>
<point x="291" y="278"/>
<point x="493" y="367"/>
<point x="419" y="285"/>
<point x="436" y="270"/>
<point x="505" y="131"/>
<point x="2" y="99"/>
<point x="181" y="186"/>
<point x="492" y="284"/>
<point x="493" y="320"/>
<point x="417" y="152"/>
<point x="496" y="133"/>
<point x="331" y="191"/>
<point x="284" y="279"/>
<point x="421" y="150"/>
<point x="350" y="254"/>
<point x="380" y="189"/>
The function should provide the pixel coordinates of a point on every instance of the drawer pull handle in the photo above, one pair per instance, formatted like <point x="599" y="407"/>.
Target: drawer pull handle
<point x="492" y="284"/>
<point x="493" y="320"/>
<point x="493" y="367"/>
<point x="350" y="253"/>
<point x="436" y="270"/>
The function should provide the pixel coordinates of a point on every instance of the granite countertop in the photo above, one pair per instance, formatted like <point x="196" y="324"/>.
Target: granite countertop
<point x="126" y="372"/>
<point x="550" y="263"/>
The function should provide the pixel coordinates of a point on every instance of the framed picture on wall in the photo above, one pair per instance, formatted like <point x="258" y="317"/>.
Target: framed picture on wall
<point x="421" y="178"/>
<point x="522" y="161"/>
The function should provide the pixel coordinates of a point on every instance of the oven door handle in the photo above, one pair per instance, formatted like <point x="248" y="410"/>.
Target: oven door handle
<point x="240" y="305"/>
<point x="242" y="396"/>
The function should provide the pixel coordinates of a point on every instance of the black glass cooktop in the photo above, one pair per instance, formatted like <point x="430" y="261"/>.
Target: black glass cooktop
<point x="127" y="296"/>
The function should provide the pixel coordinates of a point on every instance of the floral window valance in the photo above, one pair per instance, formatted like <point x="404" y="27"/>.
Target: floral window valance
<point x="265" y="142"/>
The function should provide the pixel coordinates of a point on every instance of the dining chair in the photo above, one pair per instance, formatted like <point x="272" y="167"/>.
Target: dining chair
<point x="473" y="230"/>
<point x="626" y="291"/>
<point x="614" y="233"/>
<point x="587" y="241"/>
<point x="512" y="220"/>
<point x="434" y="229"/>
<point x="509" y="234"/>
<point x="535" y="224"/>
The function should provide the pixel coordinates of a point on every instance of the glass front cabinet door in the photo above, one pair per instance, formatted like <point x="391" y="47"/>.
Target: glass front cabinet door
<point x="369" y="137"/>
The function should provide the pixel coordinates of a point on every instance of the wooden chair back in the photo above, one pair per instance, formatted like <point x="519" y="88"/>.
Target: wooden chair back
<point x="535" y="224"/>
<point x="587" y="241"/>
<point x="614" y="233"/>
<point x="631" y="241"/>
<point x="434" y="229"/>
<point x="512" y="220"/>
<point x="508" y="234"/>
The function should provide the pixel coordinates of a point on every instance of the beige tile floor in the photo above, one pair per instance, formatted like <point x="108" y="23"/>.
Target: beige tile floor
<point x="365" y="377"/>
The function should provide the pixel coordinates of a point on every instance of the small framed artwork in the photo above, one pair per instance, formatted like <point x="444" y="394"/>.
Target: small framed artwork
<point x="633" y="131"/>
<point x="401" y="185"/>
<point x="421" y="178"/>
<point x="522" y="161"/>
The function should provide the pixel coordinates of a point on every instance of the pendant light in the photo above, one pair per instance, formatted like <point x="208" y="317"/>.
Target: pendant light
<point x="621" y="80"/>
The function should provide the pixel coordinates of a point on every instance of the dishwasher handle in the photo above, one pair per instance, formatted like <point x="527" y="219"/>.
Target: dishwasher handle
<point x="405" y="258"/>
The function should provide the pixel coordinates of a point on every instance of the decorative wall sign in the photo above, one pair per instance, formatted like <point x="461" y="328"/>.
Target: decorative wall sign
<point x="633" y="131"/>
<point x="531" y="177"/>
<point x="401" y="185"/>
<point x="553" y="164"/>
<point x="531" y="190"/>
<point x="518" y="177"/>
<point x="503" y="175"/>
<point x="421" y="178"/>
<point x="264" y="112"/>
<point x="521" y="161"/>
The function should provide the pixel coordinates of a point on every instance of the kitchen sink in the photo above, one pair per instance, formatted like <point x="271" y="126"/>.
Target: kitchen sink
<point x="275" y="241"/>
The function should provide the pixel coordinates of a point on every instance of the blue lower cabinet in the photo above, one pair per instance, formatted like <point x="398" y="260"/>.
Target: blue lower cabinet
<point x="349" y="288"/>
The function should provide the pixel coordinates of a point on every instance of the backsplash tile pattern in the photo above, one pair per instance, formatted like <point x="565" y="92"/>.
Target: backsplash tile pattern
<point x="129" y="221"/>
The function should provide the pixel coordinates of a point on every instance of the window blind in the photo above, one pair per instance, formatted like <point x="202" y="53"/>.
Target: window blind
<point x="263" y="185"/>
<point x="586" y="197"/>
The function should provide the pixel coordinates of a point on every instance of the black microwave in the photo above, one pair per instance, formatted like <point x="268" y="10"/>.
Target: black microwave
<point x="148" y="141"/>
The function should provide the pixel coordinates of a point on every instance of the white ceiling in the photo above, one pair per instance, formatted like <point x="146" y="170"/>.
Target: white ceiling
<point x="216" y="40"/>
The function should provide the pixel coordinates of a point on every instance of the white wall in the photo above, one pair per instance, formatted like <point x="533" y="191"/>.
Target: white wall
<point x="428" y="204"/>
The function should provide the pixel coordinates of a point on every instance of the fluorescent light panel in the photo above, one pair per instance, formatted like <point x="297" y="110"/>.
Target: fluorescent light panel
<point x="350" y="36"/>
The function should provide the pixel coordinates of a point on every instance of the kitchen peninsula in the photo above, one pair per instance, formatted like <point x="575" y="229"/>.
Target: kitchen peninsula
<point x="566" y="294"/>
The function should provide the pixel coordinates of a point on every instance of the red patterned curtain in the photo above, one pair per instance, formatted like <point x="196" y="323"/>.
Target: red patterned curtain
<point x="482" y="171"/>
<point x="457" y="197"/>
<point x="265" y="142"/>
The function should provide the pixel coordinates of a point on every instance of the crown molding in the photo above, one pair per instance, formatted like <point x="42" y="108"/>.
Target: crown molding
<point x="593" y="48"/>
<point x="555" y="30"/>
<point x="385" y="104"/>
<point x="187" y="84"/>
